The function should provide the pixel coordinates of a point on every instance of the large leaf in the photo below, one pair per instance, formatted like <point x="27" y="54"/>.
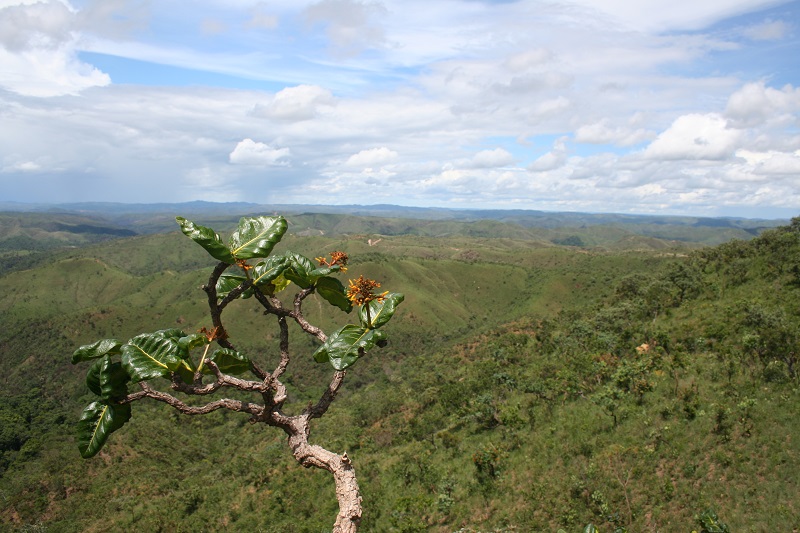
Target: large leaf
<point x="256" y="236"/>
<point x="96" y="350"/>
<point x="299" y="270"/>
<point x="207" y="238"/>
<point x="334" y="292"/>
<point x="227" y="282"/>
<point x="150" y="356"/>
<point x="267" y="271"/>
<point x="189" y="342"/>
<point x="170" y="333"/>
<point x="380" y="312"/>
<point x="229" y="361"/>
<point x="341" y="348"/>
<point x="97" y="422"/>
<point x="186" y="372"/>
<point x="108" y="379"/>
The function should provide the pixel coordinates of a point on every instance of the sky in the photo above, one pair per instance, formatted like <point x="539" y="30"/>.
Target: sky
<point x="681" y="107"/>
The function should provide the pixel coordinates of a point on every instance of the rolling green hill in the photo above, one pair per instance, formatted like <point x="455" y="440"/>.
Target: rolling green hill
<point x="527" y="386"/>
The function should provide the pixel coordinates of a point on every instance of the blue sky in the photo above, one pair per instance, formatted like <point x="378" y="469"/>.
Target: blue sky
<point x="658" y="106"/>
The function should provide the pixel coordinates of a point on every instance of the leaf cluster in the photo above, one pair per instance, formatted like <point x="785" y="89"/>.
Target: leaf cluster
<point x="168" y="353"/>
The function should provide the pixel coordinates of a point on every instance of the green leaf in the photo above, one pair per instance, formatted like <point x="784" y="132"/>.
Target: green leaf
<point x="334" y="292"/>
<point x="299" y="269"/>
<point x="108" y="379"/>
<point x="207" y="238"/>
<point x="150" y="356"/>
<point x="227" y="282"/>
<point x="265" y="272"/>
<point x="170" y="333"/>
<point x="96" y="350"/>
<point x="186" y="372"/>
<point x="324" y="271"/>
<point x="189" y="342"/>
<point x="93" y="377"/>
<point x="256" y="236"/>
<point x="341" y="348"/>
<point x="97" y="422"/>
<point x="278" y="284"/>
<point x="229" y="361"/>
<point x="380" y="312"/>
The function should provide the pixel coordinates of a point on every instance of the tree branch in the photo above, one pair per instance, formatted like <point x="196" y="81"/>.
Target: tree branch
<point x="328" y="396"/>
<point x="225" y="403"/>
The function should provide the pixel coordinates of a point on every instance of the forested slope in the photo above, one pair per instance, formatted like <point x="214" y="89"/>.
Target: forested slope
<point x="527" y="387"/>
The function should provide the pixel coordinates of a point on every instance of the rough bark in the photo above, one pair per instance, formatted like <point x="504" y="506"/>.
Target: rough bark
<point x="347" y="491"/>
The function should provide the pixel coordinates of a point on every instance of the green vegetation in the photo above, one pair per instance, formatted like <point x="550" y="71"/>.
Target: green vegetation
<point x="526" y="387"/>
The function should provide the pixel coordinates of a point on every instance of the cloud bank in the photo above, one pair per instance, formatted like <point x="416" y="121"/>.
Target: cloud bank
<point x="583" y="106"/>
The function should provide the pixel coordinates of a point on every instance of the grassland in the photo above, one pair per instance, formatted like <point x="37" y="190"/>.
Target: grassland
<point x="512" y="396"/>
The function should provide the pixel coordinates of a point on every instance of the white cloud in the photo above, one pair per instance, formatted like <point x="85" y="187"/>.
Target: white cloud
<point x="772" y="163"/>
<point x="297" y="103"/>
<point x="755" y="104"/>
<point x="45" y="25"/>
<point x="696" y="136"/>
<point x="46" y="73"/>
<point x="37" y="51"/>
<point x="249" y="152"/>
<point x="492" y="158"/>
<point x="428" y="80"/>
<point x="373" y="157"/>
<point x="553" y="159"/>
<point x="602" y="133"/>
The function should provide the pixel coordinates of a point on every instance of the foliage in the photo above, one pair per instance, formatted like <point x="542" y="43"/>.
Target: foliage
<point x="709" y="522"/>
<point x="168" y="353"/>
<point x="513" y="354"/>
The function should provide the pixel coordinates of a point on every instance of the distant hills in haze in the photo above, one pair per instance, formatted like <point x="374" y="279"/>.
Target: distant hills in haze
<point x="38" y="227"/>
<point x="523" y="217"/>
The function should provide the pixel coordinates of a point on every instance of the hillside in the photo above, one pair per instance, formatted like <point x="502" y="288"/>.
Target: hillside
<point x="527" y="386"/>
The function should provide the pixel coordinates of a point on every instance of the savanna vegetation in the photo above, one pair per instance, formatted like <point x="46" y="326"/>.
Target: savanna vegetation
<point x="527" y="386"/>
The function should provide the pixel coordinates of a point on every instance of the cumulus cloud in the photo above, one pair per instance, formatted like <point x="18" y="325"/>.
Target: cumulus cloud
<point x="492" y="158"/>
<point x="373" y="157"/>
<point x="302" y="102"/>
<point x="428" y="80"/>
<point x="46" y="73"/>
<point x="553" y="159"/>
<point x="772" y="162"/>
<point x="696" y="136"/>
<point x="250" y="152"/>
<point x="37" y="51"/>
<point x="755" y="104"/>
<point x="45" y="25"/>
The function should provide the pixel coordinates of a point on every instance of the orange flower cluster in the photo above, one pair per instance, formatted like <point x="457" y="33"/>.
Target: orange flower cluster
<point x="243" y="265"/>
<point x="361" y="291"/>
<point x="216" y="333"/>
<point x="337" y="258"/>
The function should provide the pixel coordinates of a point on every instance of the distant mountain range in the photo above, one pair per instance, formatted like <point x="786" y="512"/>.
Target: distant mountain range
<point x="526" y="218"/>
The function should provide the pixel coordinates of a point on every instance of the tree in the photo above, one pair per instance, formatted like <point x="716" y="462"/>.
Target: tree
<point x="192" y="368"/>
